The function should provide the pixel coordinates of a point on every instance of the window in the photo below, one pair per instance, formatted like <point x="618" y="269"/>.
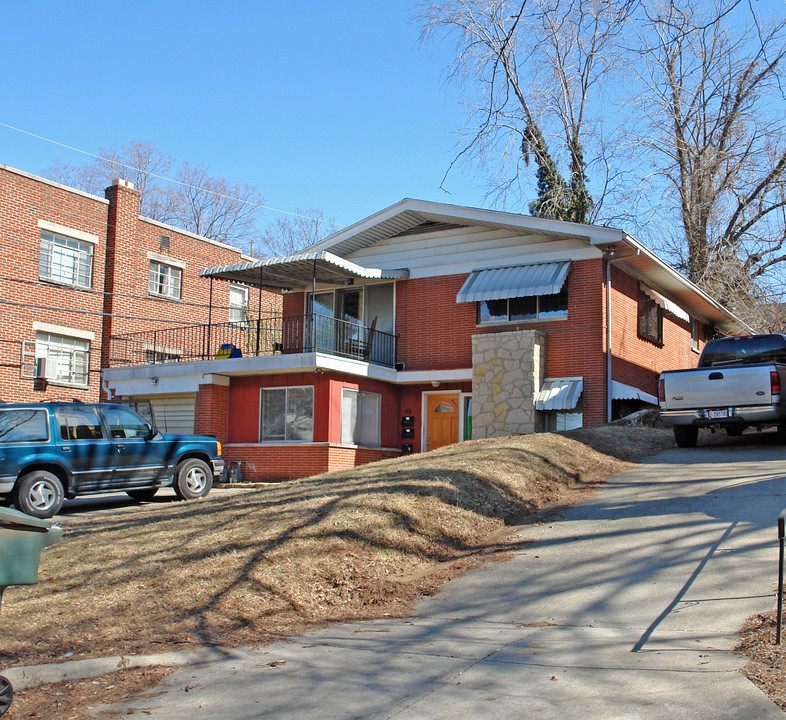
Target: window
<point x="23" y="426"/>
<point x="68" y="357"/>
<point x="559" y="420"/>
<point x="288" y="414"/>
<point x="694" y="334"/>
<point x="65" y="260"/>
<point x="360" y="417"/>
<point x="165" y="280"/>
<point x="650" y="319"/>
<point x="125" y="423"/>
<point x="238" y="303"/>
<point x="533" y="307"/>
<point x="77" y="423"/>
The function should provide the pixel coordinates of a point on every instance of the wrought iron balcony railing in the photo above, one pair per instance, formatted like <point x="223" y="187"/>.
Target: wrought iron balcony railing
<point x="262" y="337"/>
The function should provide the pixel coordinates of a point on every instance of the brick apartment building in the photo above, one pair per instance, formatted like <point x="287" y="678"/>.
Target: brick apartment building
<point x="428" y="324"/>
<point x="78" y="269"/>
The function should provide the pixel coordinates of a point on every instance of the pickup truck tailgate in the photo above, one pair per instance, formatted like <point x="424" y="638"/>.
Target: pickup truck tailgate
<point x="718" y="387"/>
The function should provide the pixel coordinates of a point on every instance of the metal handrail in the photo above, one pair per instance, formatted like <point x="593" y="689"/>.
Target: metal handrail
<point x="261" y="337"/>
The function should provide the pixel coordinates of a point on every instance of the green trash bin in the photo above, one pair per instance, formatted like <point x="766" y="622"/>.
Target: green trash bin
<point x="22" y="537"/>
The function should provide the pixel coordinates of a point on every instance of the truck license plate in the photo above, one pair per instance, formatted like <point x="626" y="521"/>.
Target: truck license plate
<point x="718" y="414"/>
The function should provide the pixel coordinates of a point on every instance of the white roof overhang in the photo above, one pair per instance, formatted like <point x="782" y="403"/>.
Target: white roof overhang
<point x="409" y="215"/>
<point x="300" y="272"/>
<point x="511" y="282"/>
<point x="559" y="393"/>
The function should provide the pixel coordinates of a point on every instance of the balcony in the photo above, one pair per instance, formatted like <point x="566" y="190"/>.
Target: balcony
<point x="273" y="335"/>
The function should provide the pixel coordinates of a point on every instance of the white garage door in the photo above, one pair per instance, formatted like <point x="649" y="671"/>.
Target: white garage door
<point x="174" y="414"/>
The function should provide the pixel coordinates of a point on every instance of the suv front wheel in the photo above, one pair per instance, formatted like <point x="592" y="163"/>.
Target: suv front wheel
<point x="193" y="479"/>
<point x="39" y="493"/>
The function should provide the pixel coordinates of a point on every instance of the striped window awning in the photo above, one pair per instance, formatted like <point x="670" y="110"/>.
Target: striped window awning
<point x="667" y="305"/>
<point x="510" y="282"/>
<point x="620" y="391"/>
<point x="559" y="393"/>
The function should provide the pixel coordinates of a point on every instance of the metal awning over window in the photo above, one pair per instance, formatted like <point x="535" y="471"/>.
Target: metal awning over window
<point x="510" y="282"/>
<point x="667" y="305"/>
<point x="620" y="391"/>
<point x="559" y="393"/>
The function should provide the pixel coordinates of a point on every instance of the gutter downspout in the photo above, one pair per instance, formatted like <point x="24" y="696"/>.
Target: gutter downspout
<point x="610" y="258"/>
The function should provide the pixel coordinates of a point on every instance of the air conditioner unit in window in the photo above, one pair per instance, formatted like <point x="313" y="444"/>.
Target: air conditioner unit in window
<point x="44" y="368"/>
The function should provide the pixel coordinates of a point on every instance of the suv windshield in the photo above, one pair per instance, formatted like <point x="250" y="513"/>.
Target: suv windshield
<point x="744" y="351"/>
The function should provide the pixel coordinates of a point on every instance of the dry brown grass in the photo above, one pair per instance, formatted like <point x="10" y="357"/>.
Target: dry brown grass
<point x="248" y="567"/>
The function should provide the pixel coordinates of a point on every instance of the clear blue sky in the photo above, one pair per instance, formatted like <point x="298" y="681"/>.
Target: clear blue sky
<point x="325" y="104"/>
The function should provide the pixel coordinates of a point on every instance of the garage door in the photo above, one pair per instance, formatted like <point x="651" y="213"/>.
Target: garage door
<point x="174" y="414"/>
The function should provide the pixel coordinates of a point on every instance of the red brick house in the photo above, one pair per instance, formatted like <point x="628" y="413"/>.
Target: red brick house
<point x="77" y="269"/>
<point x="427" y="324"/>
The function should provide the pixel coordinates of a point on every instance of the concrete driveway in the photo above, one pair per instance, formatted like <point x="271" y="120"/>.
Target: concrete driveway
<point x="623" y="607"/>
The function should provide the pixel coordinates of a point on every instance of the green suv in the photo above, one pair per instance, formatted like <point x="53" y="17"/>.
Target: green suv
<point x="55" y="450"/>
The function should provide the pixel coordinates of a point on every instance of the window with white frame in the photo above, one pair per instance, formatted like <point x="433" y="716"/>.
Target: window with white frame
<point x="65" y="260"/>
<point x="68" y="358"/>
<point x="287" y="414"/>
<point x="238" y="303"/>
<point x="360" y="417"/>
<point x="165" y="280"/>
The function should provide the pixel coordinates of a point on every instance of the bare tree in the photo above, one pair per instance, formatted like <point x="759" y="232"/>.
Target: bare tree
<point x="539" y="66"/>
<point x="290" y="234"/>
<point x="714" y="102"/>
<point x="191" y="199"/>
<point x="212" y="207"/>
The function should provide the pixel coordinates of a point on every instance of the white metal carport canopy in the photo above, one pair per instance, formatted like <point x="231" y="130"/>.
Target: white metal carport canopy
<point x="300" y="272"/>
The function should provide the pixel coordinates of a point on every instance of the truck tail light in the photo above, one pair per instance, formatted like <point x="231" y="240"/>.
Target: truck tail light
<point x="775" y="383"/>
<point x="662" y="389"/>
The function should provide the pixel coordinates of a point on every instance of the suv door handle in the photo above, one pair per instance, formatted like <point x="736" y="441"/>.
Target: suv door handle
<point x="121" y="446"/>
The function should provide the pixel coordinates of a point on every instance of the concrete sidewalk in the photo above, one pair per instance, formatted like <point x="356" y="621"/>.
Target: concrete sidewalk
<point x="624" y="607"/>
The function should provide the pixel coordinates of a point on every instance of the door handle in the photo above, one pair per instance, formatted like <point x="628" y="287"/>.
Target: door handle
<point x="121" y="447"/>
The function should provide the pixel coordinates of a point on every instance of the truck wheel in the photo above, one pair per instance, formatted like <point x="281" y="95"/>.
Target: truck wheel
<point x="686" y="435"/>
<point x="6" y="695"/>
<point x="39" y="493"/>
<point x="193" y="479"/>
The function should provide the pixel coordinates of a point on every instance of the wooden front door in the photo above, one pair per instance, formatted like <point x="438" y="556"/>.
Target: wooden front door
<point x="442" y="420"/>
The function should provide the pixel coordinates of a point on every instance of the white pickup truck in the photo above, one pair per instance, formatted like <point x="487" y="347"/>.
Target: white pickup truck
<point x="736" y="385"/>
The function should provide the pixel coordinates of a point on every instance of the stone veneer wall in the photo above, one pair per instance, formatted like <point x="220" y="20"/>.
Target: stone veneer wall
<point x="507" y="372"/>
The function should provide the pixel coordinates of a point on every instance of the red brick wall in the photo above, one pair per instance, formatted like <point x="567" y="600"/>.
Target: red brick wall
<point x="27" y="299"/>
<point x="435" y="333"/>
<point x="118" y="301"/>
<point x="211" y="415"/>
<point x="635" y="360"/>
<point x="269" y="463"/>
